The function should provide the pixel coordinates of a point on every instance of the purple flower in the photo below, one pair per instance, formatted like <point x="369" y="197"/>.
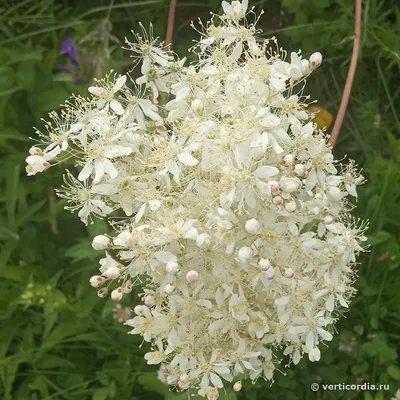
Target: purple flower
<point x="63" y="68"/>
<point x="67" y="47"/>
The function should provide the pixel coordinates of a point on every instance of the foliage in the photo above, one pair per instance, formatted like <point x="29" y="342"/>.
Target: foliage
<point x="68" y="346"/>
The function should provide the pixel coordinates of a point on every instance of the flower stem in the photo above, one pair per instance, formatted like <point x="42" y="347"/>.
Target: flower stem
<point x="350" y="76"/>
<point x="170" y="27"/>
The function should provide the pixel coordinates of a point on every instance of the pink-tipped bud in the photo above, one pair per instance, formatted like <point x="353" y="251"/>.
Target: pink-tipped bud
<point x="252" y="226"/>
<point x="168" y="288"/>
<point x="192" y="276"/>
<point x="127" y="287"/>
<point x="328" y="220"/>
<point x="264" y="264"/>
<point x="101" y="242"/>
<point x="112" y="273"/>
<point x="183" y="377"/>
<point x="237" y="387"/>
<point x="315" y="60"/>
<point x="289" y="273"/>
<point x="117" y="294"/>
<point x="102" y="292"/>
<point x="274" y="185"/>
<point x="299" y="169"/>
<point x="96" y="281"/>
<point x="290" y="206"/>
<point x="270" y="274"/>
<point x="182" y="385"/>
<point x="35" y="151"/>
<point x="172" y="267"/>
<point x="277" y="200"/>
<point x="287" y="160"/>
<point x="212" y="394"/>
<point x="149" y="300"/>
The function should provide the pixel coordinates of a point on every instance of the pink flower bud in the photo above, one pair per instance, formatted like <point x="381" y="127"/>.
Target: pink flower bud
<point x="184" y="377"/>
<point x="270" y="274"/>
<point x="264" y="264"/>
<point x="274" y="185"/>
<point x="96" y="281"/>
<point x="102" y="292"/>
<point x="287" y="160"/>
<point x="117" y="294"/>
<point x="315" y="60"/>
<point x="149" y="300"/>
<point x="101" y="242"/>
<point x="289" y="273"/>
<point x="192" y="276"/>
<point x="277" y="200"/>
<point x="328" y="220"/>
<point x="112" y="273"/>
<point x="172" y="267"/>
<point x="127" y="287"/>
<point x="237" y="387"/>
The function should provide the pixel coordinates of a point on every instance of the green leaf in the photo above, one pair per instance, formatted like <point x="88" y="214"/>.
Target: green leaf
<point x="100" y="394"/>
<point x="151" y="383"/>
<point x="394" y="372"/>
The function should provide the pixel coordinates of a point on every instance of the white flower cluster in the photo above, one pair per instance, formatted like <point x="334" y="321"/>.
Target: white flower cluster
<point x="236" y="213"/>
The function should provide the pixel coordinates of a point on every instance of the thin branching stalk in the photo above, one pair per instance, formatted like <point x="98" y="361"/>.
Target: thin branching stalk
<point x="350" y="76"/>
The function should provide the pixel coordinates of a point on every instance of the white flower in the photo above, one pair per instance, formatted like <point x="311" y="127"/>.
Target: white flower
<point x="107" y="95"/>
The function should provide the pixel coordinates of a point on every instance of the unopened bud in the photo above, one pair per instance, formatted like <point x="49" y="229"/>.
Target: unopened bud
<point x="203" y="240"/>
<point x="288" y="273"/>
<point x="287" y="160"/>
<point x="183" y="377"/>
<point x="290" y="206"/>
<point x="96" y="281"/>
<point x="35" y="151"/>
<point x="245" y="253"/>
<point x="252" y="226"/>
<point x="270" y="274"/>
<point x="149" y="300"/>
<point x="264" y="264"/>
<point x="315" y="60"/>
<point x="197" y="106"/>
<point x="277" y="200"/>
<point x="274" y="185"/>
<point x="168" y="288"/>
<point x="117" y="294"/>
<point x="289" y="185"/>
<point x="328" y="220"/>
<point x="172" y="267"/>
<point x="299" y="169"/>
<point x="112" y="273"/>
<point x="102" y="292"/>
<point x="138" y="310"/>
<point x="192" y="276"/>
<point x="127" y="287"/>
<point x="101" y="242"/>
<point x="333" y="193"/>
<point x="237" y="387"/>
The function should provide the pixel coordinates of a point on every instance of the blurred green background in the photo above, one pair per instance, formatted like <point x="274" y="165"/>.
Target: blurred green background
<point x="58" y="340"/>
